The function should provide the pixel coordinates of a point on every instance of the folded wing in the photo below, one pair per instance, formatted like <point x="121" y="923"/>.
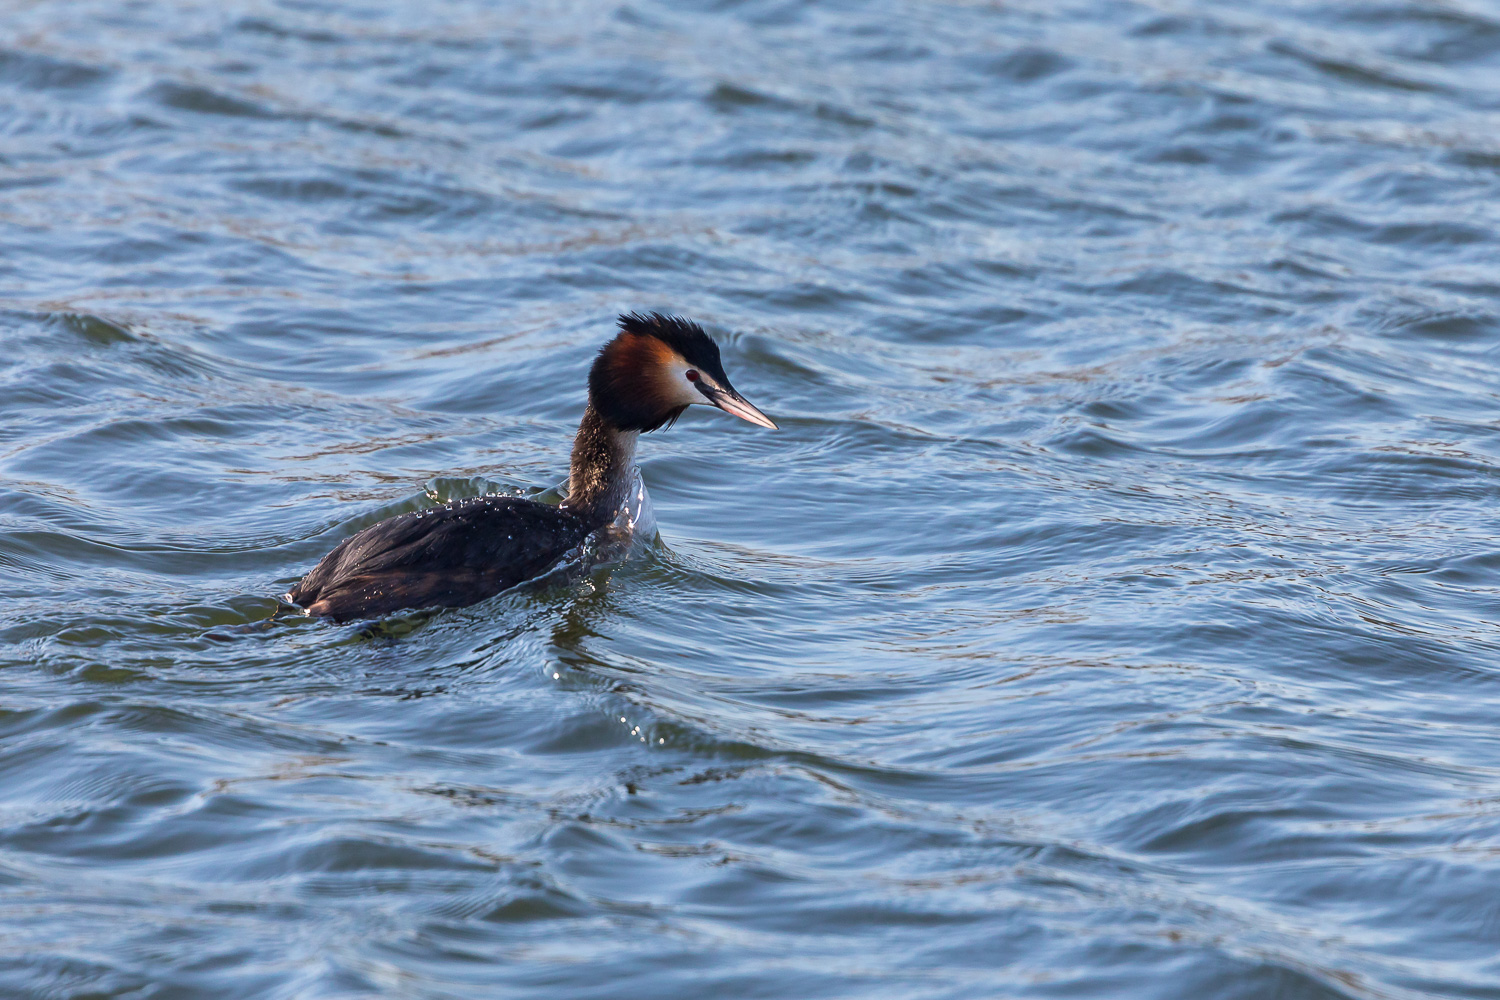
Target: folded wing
<point x="447" y="556"/>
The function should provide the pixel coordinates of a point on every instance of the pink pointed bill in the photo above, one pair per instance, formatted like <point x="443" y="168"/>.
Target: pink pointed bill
<point x="732" y="402"/>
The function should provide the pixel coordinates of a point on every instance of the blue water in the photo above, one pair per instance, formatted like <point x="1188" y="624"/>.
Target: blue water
<point x="1112" y="616"/>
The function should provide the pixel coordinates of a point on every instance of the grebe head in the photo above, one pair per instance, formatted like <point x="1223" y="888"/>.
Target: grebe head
<point x="656" y="367"/>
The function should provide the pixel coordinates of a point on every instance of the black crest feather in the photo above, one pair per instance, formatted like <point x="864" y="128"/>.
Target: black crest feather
<point x="682" y="335"/>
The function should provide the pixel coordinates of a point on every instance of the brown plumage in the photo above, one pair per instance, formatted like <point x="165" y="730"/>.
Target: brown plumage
<point x="469" y="550"/>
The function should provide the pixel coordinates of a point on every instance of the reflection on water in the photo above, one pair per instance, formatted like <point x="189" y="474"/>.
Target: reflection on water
<point x="1113" y="614"/>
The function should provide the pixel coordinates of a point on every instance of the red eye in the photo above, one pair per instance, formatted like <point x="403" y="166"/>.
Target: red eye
<point x="692" y="376"/>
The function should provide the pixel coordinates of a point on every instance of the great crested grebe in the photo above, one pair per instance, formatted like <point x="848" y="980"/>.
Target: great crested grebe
<point x="466" y="551"/>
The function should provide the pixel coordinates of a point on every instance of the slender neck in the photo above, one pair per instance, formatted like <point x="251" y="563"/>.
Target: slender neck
<point x="602" y="468"/>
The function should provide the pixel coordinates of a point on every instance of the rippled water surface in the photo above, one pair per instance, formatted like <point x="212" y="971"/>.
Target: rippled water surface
<point x="1112" y="616"/>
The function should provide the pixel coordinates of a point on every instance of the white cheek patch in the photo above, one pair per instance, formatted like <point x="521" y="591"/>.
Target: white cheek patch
<point x="681" y="390"/>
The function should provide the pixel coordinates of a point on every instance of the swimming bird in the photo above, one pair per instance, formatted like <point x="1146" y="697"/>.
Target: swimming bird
<point x="466" y="551"/>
